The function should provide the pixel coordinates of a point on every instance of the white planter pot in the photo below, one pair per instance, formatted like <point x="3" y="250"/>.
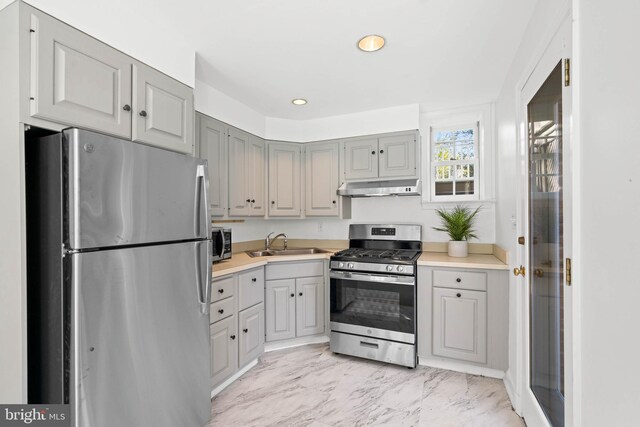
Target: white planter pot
<point x="458" y="249"/>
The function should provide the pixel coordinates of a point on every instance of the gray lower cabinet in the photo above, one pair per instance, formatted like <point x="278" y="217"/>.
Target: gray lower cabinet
<point x="237" y="322"/>
<point x="463" y="316"/>
<point x="77" y="80"/>
<point x="224" y="349"/>
<point x="251" y="344"/>
<point x="294" y="304"/>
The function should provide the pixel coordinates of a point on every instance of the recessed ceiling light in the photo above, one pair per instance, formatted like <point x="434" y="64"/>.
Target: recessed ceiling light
<point x="299" y="101"/>
<point x="371" y="43"/>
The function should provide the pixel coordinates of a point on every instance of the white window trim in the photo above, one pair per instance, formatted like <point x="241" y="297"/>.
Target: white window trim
<point x="484" y="161"/>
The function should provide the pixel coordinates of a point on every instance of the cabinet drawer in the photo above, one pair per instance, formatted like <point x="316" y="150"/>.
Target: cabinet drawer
<point x="460" y="279"/>
<point x="222" y="288"/>
<point x="222" y="309"/>
<point x="250" y="288"/>
<point x="294" y="270"/>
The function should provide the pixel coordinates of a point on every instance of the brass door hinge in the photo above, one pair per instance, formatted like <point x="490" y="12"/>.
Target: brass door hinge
<point x="567" y="72"/>
<point x="567" y="268"/>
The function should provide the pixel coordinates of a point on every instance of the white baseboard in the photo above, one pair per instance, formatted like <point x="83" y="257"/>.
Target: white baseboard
<point x="511" y="392"/>
<point x="461" y="367"/>
<point x="232" y="378"/>
<point x="295" y="342"/>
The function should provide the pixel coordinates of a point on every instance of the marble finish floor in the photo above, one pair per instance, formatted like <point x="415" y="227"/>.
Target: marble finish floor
<point x="310" y="386"/>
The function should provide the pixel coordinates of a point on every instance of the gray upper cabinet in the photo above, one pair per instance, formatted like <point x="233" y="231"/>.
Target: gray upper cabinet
<point x="162" y="110"/>
<point x="322" y="179"/>
<point x="257" y="172"/>
<point x="246" y="174"/>
<point x="361" y="158"/>
<point x="284" y="179"/>
<point x="212" y="144"/>
<point x="397" y="156"/>
<point x="77" y="80"/>
<point x="381" y="156"/>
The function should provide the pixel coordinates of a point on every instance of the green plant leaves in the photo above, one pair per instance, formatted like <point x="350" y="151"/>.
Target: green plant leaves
<point x="458" y="223"/>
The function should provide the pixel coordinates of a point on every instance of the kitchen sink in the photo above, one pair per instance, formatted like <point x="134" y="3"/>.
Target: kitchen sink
<point x="288" y="251"/>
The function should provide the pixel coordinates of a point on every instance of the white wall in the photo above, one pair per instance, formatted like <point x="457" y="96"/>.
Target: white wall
<point x="218" y="105"/>
<point x="391" y="119"/>
<point x="540" y="30"/>
<point x="609" y="189"/>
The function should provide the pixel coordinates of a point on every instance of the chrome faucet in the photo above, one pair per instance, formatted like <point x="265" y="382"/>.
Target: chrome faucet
<point x="269" y="241"/>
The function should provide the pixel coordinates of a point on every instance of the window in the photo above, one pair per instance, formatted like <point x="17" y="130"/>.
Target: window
<point x="454" y="162"/>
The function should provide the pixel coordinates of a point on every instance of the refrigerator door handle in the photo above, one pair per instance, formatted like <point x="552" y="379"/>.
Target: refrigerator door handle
<point x="204" y="285"/>
<point x="202" y="203"/>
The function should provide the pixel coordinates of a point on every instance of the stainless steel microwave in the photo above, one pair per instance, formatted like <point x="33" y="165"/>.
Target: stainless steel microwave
<point x="221" y="243"/>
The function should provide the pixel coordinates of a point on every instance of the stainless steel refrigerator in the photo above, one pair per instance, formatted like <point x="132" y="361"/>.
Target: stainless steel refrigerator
<point x="118" y="287"/>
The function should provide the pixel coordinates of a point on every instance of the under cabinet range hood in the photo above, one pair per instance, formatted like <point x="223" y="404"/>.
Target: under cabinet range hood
<point x="398" y="187"/>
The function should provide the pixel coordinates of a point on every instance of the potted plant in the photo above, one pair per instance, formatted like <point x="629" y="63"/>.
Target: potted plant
<point x="458" y="224"/>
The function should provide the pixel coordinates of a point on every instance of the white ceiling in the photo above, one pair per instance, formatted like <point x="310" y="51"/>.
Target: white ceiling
<point x="439" y="53"/>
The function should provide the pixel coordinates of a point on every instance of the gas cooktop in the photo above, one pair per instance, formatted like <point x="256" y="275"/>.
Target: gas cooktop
<point x="377" y="255"/>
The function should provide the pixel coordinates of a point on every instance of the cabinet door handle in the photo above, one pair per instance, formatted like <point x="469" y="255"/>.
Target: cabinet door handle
<point x="334" y="202"/>
<point x="253" y="279"/>
<point x="248" y="200"/>
<point x="233" y="337"/>
<point x="273" y="202"/>
<point x="373" y="153"/>
<point x="221" y="311"/>
<point x="458" y="280"/>
<point x="126" y="107"/>
<point x="253" y="200"/>
<point x="381" y="151"/>
<point x="293" y="295"/>
<point x="245" y="330"/>
<point x="458" y="294"/>
<point x="143" y="113"/>
<point x="221" y="291"/>
<point x="300" y="294"/>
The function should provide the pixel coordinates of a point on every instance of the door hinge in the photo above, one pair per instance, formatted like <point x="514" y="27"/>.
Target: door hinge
<point x="567" y="267"/>
<point x="567" y="72"/>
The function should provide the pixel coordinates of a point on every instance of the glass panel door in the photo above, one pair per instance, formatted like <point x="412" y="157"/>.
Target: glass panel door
<point x="544" y="117"/>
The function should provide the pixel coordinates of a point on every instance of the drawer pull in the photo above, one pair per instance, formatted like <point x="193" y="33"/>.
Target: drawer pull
<point x="458" y="280"/>
<point x="245" y="330"/>
<point x="368" y="344"/>
<point x="221" y="311"/>
<point x="233" y="337"/>
<point x="221" y="291"/>
<point x="254" y="279"/>
<point x="300" y="294"/>
<point x="458" y="294"/>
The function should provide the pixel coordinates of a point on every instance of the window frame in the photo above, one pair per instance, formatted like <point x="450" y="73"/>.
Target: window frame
<point x="433" y="164"/>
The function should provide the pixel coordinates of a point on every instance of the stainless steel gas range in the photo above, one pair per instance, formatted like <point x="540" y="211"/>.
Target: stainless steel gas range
<point x="373" y="293"/>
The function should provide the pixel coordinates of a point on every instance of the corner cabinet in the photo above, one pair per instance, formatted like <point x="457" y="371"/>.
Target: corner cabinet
<point x="381" y="156"/>
<point x="77" y="80"/>
<point x="294" y="300"/>
<point x="463" y="316"/>
<point x="246" y="174"/>
<point x="284" y="179"/>
<point x="236" y="322"/>
<point x="211" y="144"/>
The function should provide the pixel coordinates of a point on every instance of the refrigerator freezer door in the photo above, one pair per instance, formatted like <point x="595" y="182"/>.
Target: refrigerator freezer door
<point x="140" y="339"/>
<point x="124" y="193"/>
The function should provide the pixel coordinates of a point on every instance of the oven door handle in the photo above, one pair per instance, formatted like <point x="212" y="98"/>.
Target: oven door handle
<point x="398" y="280"/>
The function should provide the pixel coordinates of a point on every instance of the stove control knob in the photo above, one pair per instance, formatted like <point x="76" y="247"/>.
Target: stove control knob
<point x="389" y="267"/>
<point x="341" y="265"/>
<point x="400" y="268"/>
<point x="351" y="265"/>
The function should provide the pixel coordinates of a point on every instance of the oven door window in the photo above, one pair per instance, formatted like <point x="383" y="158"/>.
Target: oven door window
<point x="388" y="306"/>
